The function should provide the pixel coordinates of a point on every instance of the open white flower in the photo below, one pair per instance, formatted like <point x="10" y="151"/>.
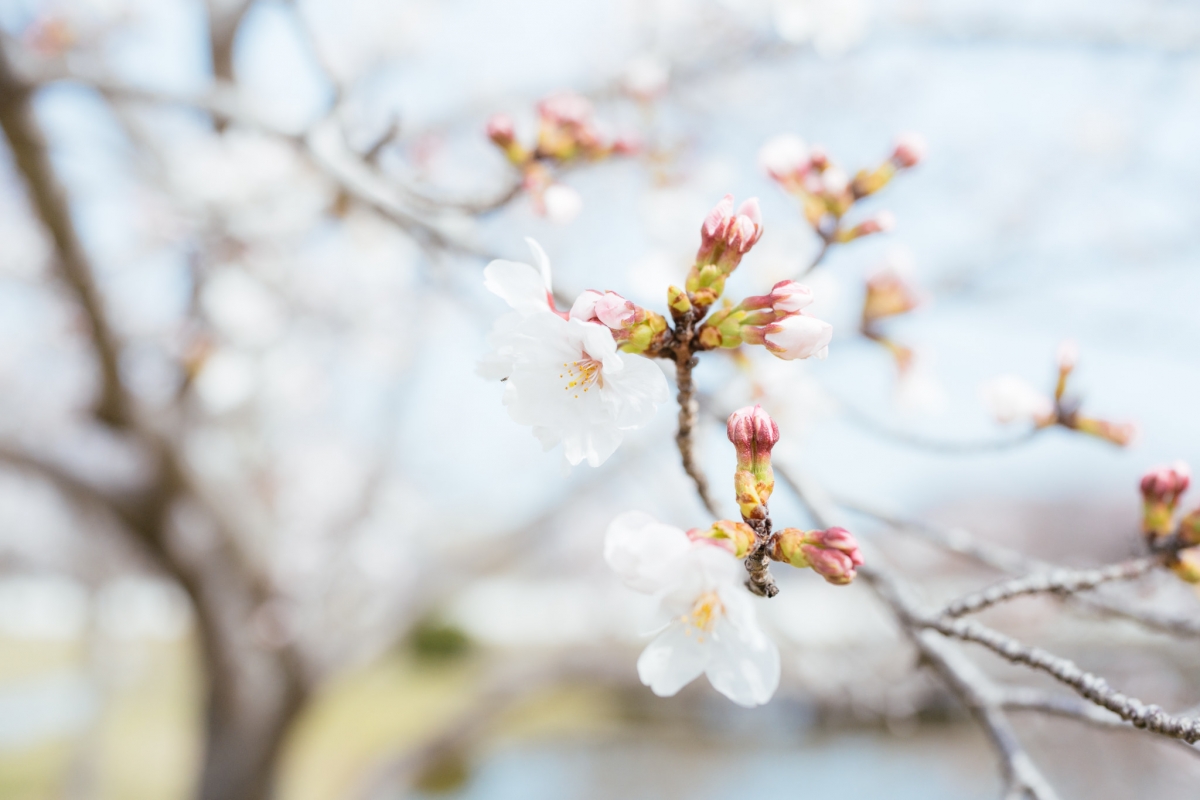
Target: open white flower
<point x="713" y="629"/>
<point x="565" y="377"/>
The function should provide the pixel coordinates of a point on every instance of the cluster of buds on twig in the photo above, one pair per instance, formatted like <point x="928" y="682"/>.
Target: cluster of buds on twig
<point x="889" y="294"/>
<point x="566" y="135"/>
<point x="1161" y="489"/>
<point x="826" y="192"/>
<point x="1011" y="398"/>
<point x="725" y="237"/>
<point x="833" y="554"/>
<point x="776" y="320"/>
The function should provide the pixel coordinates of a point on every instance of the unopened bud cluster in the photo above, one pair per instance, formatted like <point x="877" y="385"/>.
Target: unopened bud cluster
<point x="1011" y="399"/>
<point x="833" y="554"/>
<point x="566" y="134"/>
<point x="827" y="192"/>
<point x="1162" y="489"/>
<point x="776" y="320"/>
<point x="725" y="237"/>
<point x="889" y="293"/>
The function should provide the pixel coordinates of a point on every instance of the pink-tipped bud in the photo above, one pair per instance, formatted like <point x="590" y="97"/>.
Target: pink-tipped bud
<point x="606" y="308"/>
<point x="753" y="434"/>
<point x="566" y="108"/>
<point x="833" y="554"/>
<point x="1161" y="489"/>
<point x="717" y="222"/>
<point x="789" y="297"/>
<point x="818" y="158"/>
<point x="1166" y="484"/>
<point x="736" y="537"/>
<point x="910" y="150"/>
<point x="500" y="129"/>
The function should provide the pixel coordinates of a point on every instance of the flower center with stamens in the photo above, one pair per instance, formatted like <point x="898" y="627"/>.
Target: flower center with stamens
<point x="705" y="612"/>
<point x="582" y="375"/>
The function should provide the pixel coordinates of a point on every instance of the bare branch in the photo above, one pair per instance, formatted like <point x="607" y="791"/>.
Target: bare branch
<point x="963" y="542"/>
<point x="224" y="19"/>
<point x="1089" y="686"/>
<point x="1021" y="776"/>
<point x="1060" y="581"/>
<point x="30" y="153"/>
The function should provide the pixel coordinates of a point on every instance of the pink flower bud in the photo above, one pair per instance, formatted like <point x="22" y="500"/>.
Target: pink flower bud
<point x="718" y="220"/>
<point x="607" y="308"/>
<point x="818" y="158"/>
<point x="753" y="434"/>
<point x="1166" y="484"/>
<point x="789" y="297"/>
<point x="500" y="129"/>
<point x="833" y="554"/>
<point x="795" y="336"/>
<point x="1161" y="488"/>
<point x="910" y="150"/>
<point x="566" y="108"/>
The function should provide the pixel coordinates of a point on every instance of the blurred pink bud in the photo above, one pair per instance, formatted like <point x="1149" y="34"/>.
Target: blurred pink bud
<point x="818" y="157"/>
<point x="566" y="108"/>
<point x="784" y="157"/>
<point x="753" y="434"/>
<point x="910" y="150"/>
<point x="626" y="145"/>
<point x="500" y="129"/>
<point x="1166" y="484"/>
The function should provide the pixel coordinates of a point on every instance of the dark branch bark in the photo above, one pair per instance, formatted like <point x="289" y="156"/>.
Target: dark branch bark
<point x="30" y="154"/>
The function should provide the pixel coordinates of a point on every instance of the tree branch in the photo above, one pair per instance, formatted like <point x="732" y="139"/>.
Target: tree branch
<point x="1060" y="581"/>
<point x="30" y="154"/>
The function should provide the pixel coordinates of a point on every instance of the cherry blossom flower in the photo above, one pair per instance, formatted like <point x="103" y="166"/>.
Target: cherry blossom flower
<point x="565" y="377"/>
<point x="713" y="628"/>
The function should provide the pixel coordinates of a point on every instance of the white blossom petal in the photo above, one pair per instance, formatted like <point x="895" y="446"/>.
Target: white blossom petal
<point x="674" y="659"/>
<point x="541" y="260"/>
<point x="520" y="285"/>
<point x="644" y="552"/>
<point x="744" y="663"/>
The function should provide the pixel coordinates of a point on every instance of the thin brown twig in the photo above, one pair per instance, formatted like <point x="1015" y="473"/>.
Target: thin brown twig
<point x="29" y="151"/>
<point x="689" y="408"/>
